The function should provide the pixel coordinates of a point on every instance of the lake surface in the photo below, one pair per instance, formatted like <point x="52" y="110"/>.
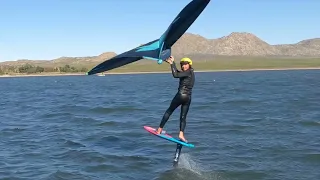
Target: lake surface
<point x="262" y="125"/>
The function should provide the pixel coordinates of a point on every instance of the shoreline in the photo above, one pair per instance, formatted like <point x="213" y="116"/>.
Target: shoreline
<point x="159" y="72"/>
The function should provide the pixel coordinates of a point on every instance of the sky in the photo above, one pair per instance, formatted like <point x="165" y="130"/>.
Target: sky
<point x="45" y="30"/>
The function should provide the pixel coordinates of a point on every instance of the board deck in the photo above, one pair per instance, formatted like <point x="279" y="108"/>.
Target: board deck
<point x="167" y="136"/>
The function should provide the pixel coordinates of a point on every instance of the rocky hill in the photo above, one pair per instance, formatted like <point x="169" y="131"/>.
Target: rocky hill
<point x="235" y="44"/>
<point x="244" y="44"/>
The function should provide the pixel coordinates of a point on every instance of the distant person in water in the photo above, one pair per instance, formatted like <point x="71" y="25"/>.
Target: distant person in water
<point x="183" y="96"/>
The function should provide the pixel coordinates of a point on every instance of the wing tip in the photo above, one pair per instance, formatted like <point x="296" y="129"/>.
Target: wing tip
<point x="90" y="73"/>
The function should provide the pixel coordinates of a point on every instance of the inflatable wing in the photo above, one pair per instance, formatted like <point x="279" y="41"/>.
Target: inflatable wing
<point x="159" y="49"/>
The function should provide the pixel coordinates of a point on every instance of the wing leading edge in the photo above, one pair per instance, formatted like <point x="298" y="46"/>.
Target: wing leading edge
<point x="183" y="21"/>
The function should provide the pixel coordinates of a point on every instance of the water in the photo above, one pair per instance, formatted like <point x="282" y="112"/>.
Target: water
<point x="245" y="125"/>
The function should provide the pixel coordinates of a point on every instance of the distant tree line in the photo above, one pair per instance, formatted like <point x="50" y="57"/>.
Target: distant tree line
<point x="68" y="68"/>
<point x="31" y="69"/>
<point x="28" y="68"/>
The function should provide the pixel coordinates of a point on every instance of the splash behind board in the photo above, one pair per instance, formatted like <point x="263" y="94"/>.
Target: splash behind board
<point x="167" y="137"/>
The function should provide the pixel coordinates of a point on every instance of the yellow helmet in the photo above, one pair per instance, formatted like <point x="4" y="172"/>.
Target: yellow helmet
<point x="186" y="60"/>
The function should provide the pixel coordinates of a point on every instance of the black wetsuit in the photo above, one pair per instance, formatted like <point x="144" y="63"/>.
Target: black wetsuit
<point x="183" y="96"/>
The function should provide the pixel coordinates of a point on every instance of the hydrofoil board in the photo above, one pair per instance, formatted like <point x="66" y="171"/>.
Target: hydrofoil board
<point x="167" y="136"/>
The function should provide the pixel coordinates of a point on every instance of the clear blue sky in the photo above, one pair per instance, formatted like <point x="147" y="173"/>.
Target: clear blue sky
<point x="48" y="29"/>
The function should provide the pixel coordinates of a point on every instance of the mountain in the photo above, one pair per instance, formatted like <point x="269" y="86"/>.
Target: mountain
<point x="244" y="44"/>
<point x="309" y="47"/>
<point x="235" y="44"/>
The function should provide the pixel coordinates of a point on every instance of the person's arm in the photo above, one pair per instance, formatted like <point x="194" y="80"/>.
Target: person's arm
<point x="176" y="73"/>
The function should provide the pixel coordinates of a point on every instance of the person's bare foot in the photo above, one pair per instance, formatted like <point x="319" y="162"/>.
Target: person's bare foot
<point x="181" y="136"/>
<point x="159" y="130"/>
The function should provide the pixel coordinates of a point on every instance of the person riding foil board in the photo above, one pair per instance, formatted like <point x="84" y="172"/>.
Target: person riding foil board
<point x="183" y="96"/>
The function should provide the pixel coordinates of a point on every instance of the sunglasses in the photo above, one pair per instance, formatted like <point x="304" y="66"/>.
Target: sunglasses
<point x="183" y="63"/>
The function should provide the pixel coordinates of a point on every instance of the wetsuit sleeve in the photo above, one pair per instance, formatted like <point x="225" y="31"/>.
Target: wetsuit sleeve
<point x="178" y="74"/>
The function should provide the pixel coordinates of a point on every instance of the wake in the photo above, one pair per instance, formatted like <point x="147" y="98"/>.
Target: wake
<point x="186" y="162"/>
<point x="189" y="169"/>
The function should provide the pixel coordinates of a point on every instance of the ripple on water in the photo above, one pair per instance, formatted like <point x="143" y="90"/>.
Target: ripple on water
<point x="114" y="109"/>
<point x="11" y="131"/>
<point x="313" y="158"/>
<point x="66" y="175"/>
<point x="73" y="144"/>
<point x="309" y="123"/>
<point x="79" y="155"/>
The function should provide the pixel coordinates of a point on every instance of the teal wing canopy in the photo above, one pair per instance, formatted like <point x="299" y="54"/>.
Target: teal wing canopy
<point x="159" y="49"/>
